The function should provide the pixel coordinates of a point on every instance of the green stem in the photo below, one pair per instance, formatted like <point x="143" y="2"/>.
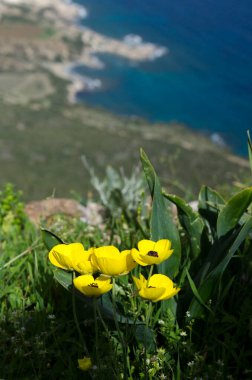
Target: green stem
<point x="108" y="335"/>
<point x="150" y="274"/>
<point x="124" y="349"/>
<point x="76" y="318"/>
<point x="95" y="307"/>
<point x="147" y="321"/>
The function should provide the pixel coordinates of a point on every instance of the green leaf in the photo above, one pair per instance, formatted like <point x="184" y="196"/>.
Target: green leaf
<point x="50" y="239"/>
<point x="233" y="211"/>
<point x="210" y="204"/>
<point x="64" y="278"/>
<point x="106" y="307"/>
<point x="249" y="149"/>
<point x="211" y="283"/>
<point x="146" y="336"/>
<point x="190" y="221"/>
<point x="162" y="223"/>
<point x="196" y="293"/>
<point x="177" y="375"/>
<point x="243" y="234"/>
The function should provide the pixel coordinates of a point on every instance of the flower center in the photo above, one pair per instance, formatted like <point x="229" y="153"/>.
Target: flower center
<point x="93" y="285"/>
<point x="152" y="253"/>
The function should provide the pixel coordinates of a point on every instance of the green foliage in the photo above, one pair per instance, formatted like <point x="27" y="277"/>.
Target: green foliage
<point x="116" y="191"/>
<point x="11" y="209"/>
<point x="203" y="333"/>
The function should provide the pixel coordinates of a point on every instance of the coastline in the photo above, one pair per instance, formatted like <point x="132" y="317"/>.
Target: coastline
<point x="65" y="16"/>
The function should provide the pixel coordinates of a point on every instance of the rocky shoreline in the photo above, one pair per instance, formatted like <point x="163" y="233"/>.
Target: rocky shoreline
<point x="63" y="15"/>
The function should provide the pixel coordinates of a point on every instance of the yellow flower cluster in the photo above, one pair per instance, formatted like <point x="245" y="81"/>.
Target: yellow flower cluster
<point x="110" y="262"/>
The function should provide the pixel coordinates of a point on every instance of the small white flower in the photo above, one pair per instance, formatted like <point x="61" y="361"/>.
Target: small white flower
<point x="162" y="376"/>
<point x="51" y="316"/>
<point x="190" y="364"/>
<point x="161" y="322"/>
<point x="183" y="333"/>
<point x="188" y="314"/>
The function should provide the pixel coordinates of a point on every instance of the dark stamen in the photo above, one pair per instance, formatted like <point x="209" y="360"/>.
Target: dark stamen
<point x="93" y="285"/>
<point x="152" y="253"/>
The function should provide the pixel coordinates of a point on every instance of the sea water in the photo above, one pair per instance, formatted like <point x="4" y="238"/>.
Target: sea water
<point x="205" y="80"/>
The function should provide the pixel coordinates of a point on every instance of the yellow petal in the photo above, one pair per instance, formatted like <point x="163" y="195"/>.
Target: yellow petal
<point x="83" y="280"/>
<point x="85" y="364"/>
<point x="130" y="263"/>
<point x="84" y="267"/>
<point x="56" y="260"/>
<point x="152" y="294"/>
<point x="91" y="287"/>
<point x="160" y="280"/>
<point x="137" y="257"/>
<point x="66" y="256"/>
<point x="169" y="294"/>
<point x="77" y="252"/>
<point x="111" y="262"/>
<point x="150" y="253"/>
<point x="94" y="261"/>
<point x="140" y="282"/>
<point x="162" y="246"/>
<point x="149" y="260"/>
<point x="111" y="267"/>
<point x="83" y="264"/>
<point x="145" y="246"/>
<point x="107" y="251"/>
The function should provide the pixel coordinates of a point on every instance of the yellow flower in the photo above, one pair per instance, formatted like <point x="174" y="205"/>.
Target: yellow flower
<point x="85" y="364"/>
<point x="158" y="288"/>
<point x="72" y="257"/>
<point x="111" y="262"/>
<point x="150" y="252"/>
<point x="91" y="287"/>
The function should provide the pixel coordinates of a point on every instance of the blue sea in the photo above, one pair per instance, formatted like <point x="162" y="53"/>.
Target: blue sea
<point x="205" y="80"/>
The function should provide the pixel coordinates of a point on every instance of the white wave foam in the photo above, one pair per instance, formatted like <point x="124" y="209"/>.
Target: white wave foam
<point x="92" y="84"/>
<point x="133" y="39"/>
<point x="217" y="139"/>
<point x="159" y="52"/>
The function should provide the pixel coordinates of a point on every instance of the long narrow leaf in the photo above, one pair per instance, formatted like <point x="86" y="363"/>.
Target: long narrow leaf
<point x="162" y="223"/>
<point x="190" y="221"/>
<point x="195" y="292"/>
<point x="210" y="204"/>
<point x="50" y="239"/>
<point x="249" y="149"/>
<point x="208" y="288"/>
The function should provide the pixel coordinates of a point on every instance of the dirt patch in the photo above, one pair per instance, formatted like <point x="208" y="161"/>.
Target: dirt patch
<point x="19" y="31"/>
